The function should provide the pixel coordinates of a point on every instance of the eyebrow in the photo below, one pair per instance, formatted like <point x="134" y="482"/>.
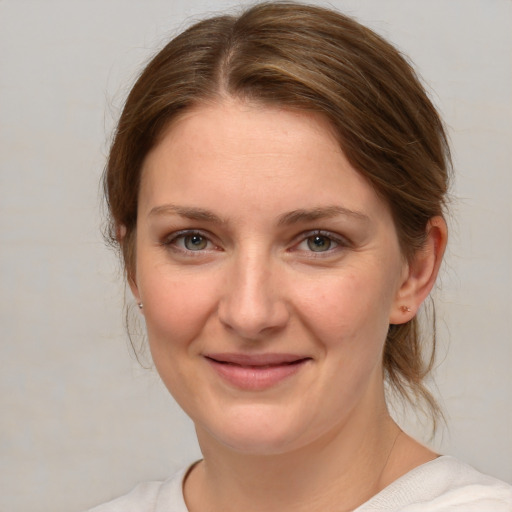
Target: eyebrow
<point x="187" y="212"/>
<point x="293" y="217"/>
<point x="324" y="212"/>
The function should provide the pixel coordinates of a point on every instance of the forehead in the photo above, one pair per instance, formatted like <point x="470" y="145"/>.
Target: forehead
<point x="217" y="153"/>
<point x="234" y="128"/>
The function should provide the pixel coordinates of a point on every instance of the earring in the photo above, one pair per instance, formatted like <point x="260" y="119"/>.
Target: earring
<point x="403" y="309"/>
<point x="140" y="305"/>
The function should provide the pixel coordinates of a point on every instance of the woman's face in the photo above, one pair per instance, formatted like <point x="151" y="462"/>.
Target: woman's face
<point x="269" y="270"/>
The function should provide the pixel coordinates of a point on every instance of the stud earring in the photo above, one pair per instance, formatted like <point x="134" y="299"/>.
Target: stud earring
<point x="140" y="305"/>
<point x="405" y="309"/>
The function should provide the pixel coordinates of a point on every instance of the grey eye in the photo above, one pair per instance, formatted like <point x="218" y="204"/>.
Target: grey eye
<point x="195" y="242"/>
<point x="319" y="243"/>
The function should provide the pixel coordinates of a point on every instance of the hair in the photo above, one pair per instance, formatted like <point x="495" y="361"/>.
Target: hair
<point x="312" y="59"/>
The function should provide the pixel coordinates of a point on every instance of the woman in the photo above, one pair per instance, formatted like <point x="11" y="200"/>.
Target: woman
<point x="277" y="185"/>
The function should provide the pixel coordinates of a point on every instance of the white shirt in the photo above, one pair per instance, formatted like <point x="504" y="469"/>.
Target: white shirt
<point x="441" y="485"/>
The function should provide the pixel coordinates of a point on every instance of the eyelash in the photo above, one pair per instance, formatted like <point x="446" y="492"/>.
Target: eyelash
<point x="339" y="241"/>
<point x="172" y="240"/>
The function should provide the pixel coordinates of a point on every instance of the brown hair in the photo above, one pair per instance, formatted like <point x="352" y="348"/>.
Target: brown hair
<point x="312" y="59"/>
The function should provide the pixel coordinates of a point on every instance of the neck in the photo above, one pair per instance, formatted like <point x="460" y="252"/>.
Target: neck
<point x="345" y="467"/>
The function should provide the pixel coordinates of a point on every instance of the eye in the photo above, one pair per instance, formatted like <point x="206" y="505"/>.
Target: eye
<point x="189" y="241"/>
<point x="319" y="243"/>
<point x="194" y="242"/>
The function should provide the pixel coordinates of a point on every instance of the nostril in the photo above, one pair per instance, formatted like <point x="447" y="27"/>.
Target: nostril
<point x="252" y="320"/>
<point x="252" y="304"/>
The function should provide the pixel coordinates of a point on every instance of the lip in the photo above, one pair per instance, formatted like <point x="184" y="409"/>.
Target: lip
<point x="256" y="372"/>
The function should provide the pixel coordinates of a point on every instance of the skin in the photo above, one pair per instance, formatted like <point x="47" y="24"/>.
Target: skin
<point x="231" y="201"/>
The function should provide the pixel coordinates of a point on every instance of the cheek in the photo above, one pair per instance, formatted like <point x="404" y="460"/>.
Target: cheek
<point x="339" y="306"/>
<point x="177" y="309"/>
<point x="349" y="338"/>
<point x="176" y="306"/>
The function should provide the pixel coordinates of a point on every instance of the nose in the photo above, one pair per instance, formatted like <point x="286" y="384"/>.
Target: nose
<point x="253" y="304"/>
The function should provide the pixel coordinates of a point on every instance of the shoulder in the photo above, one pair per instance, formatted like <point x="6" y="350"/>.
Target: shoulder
<point x="166" y="496"/>
<point x="443" y="485"/>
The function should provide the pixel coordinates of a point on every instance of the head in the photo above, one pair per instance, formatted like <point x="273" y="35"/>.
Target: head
<point x="310" y="60"/>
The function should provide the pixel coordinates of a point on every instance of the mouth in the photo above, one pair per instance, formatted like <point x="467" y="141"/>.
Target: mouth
<point x="256" y="372"/>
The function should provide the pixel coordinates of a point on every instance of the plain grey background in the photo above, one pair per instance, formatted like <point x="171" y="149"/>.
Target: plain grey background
<point x="81" y="421"/>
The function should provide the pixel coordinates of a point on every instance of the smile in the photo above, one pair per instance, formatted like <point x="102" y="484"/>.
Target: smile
<point x="256" y="372"/>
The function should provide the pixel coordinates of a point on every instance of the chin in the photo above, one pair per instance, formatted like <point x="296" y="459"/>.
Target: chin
<point x="263" y="444"/>
<point x="256" y="432"/>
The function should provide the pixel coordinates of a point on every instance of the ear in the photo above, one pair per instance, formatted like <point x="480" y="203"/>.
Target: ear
<point x="130" y="273"/>
<point x="120" y="233"/>
<point x="420" y="273"/>
<point x="132" y="282"/>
